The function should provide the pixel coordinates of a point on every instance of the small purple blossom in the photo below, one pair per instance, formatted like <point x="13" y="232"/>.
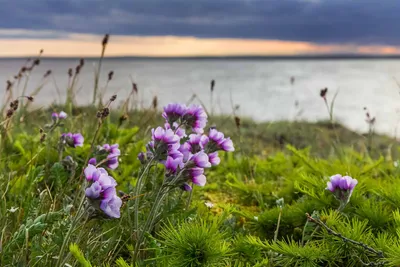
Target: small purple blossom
<point x="201" y="160"/>
<point x="54" y="116"/>
<point x="214" y="159"/>
<point x="73" y="140"/>
<point x="92" y="161"/>
<point x="166" y="136"/>
<point x="342" y="187"/>
<point x="173" y="112"/>
<point x="142" y="157"/>
<point x="345" y="183"/>
<point x="62" y="115"/>
<point x="199" y="180"/>
<point x="179" y="131"/>
<point x="196" y="118"/>
<point x="186" y="187"/>
<point x="197" y="142"/>
<point x="111" y="206"/>
<point x="93" y="191"/>
<point x="215" y="136"/>
<point x="227" y="145"/>
<point x="112" y="161"/>
<point x="172" y="164"/>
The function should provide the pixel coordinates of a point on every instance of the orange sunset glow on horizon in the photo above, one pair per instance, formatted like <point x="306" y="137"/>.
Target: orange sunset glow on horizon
<point x="89" y="45"/>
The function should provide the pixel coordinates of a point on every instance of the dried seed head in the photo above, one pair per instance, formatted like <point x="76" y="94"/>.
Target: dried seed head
<point x="9" y="85"/>
<point x="14" y="104"/>
<point x="323" y="92"/>
<point x="123" y="118"/>
<point x="43" y="138"/>
<point x="106" y="112"/>
<point x="110" y="75"/>
<point x="77" y="69"/>
<point x="237" y="121"/>
<point x="70" y="72"/>
<point x="41" y="130"/>
<point x="112" y="98"/>
<point x="212" y="85"/>
<point x="41" y="51"/>
<point x="10" y="112"/>
<point x="155" y="102"/>
<point x="36" y="62"/>
<point x="30" y="98"/>
<point x="47" y="74"/>
<point x="99" y="114"/>
<point x="105" y="40"/>
<point x="134" y="87"/>
<point x="23" y="69"/>
<point x="81" y="62"/>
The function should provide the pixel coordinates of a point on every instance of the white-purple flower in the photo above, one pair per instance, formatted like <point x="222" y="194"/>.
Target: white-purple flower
<point x="166" y="136"/>
<point x="197" y="142"/>
<point x="172" y="164"/>
<point x="214" y="159"/>
<point x="201" y="160"/>
<point x="196" y="118"/>
<point x="173" y="112"/>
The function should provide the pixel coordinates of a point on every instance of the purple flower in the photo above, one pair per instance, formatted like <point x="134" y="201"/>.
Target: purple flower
<point x="103" y="191"/>
<point x="54" y="116"/>
<point x="92" y="173"/>
<point x="218" y="142"/>
<point x="197" y="142"/>
<point x="214" y="159"/>
<point x="201" y="160"/>
<point x="93" y="191"/>
<point x="166" y="136"/>
<point x="342" y="188"/>
<point x="92" y="161"/>
<point x="172" y="164"/>
<point x="199" y="180"/>
<point x="196" y="118"/>
<point x="179" y="131"/>
<point x="142" y="157"/>
<point x="185" y="149"/>
<point x="106" y="181"/>
<point x="226" y="145"/>
<point x="111" y="206"/>
<point x="73" y="140"/>
<point x="337" y="182"/>
<point x="112" y="161"/>
<point x="186" y="187"/>
<point x="173" y="112"/>
<point x="215" y="136"/>
<point x="62" y="115"/>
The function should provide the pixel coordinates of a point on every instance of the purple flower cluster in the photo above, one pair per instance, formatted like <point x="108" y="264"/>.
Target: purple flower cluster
<point x="73" y="139"/>
<point x="186" y="155"/>
<point x="341" y="186"/>
<point x="102" y="191"/>
<point x="112" y="153"/>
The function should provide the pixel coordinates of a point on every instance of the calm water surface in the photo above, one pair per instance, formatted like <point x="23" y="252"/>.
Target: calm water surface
<point x="262" y="88"/>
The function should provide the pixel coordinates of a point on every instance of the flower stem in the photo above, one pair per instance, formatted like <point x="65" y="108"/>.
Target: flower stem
<point x="190" y="198"/>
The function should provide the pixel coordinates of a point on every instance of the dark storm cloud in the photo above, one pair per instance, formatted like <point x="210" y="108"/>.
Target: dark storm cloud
<point x="321" y="21"/>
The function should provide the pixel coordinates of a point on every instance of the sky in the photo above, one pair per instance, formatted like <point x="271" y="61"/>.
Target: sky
<point x="199" y="27"/>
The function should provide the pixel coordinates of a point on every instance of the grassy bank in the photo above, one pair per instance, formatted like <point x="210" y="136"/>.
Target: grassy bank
<point x="95" y="186"/>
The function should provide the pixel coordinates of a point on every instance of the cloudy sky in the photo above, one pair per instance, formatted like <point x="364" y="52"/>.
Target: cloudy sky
<point x="199" y="27"/>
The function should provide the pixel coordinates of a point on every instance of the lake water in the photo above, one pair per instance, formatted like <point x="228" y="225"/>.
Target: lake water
<point x="262" y="88"/>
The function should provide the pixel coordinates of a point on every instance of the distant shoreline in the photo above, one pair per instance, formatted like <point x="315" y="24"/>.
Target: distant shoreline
<point x="244" y="57"/>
